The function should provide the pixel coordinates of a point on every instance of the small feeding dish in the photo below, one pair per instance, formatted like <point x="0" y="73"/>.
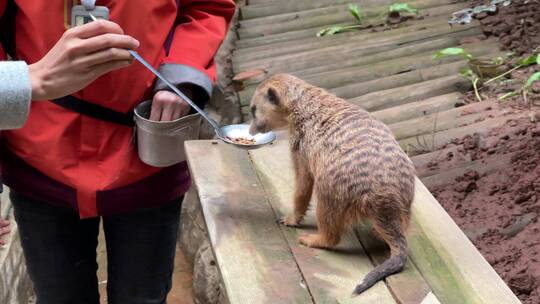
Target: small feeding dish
<point x="239" y="136"/>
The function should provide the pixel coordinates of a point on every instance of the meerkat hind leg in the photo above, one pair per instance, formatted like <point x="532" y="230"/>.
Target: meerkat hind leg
<point x="330" y="226"/>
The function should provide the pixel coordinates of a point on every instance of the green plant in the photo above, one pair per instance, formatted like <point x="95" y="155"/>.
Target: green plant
<point x="534" y="78"/>
<point x="357" y="14"/>
<point x="465" y="72"/>
<point x="401" y="8"/>
<point x="473" y="78"/>
<point x="335" y="29"/>
<point x="532" y="59"/>
<point x="525" y="89"/>
<point x="395" y="10"/>
<point x="453" y="51"/>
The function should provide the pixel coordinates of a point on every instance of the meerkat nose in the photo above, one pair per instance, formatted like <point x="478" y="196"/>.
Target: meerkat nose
<point x="253" y="129"/>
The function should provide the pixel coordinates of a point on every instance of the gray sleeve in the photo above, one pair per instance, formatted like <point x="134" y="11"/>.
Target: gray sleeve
<point x="15" y="94"/>
<point x="179" y="74"/>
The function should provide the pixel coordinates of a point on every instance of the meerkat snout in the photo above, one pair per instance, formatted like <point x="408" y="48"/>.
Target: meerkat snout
<point x="269" y="109"/>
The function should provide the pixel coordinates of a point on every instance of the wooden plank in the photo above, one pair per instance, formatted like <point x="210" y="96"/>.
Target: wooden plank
<point x="308" y="35"/>
<point x="400" y="60"/>
<point x="444" y="120"/>
<point x="370" y="16"/>
<point x="422" y="160"/>
<point x="256" y="11"/>
<point x="329" y="16"/>
<point x="453" y="267"/>
<point x="350" y="63"/>
<point x="254" y="259"/>
<point x="330" y="275"/>
<point x="402" y="95"/>
<point x="407" y="286"/>
<point x="483" y="166"/>
<point x="419" y="108"/>
<point x="324" y="46"/>
<point x="398" y="80"/>
<point x="440" y="138"/>
<point x="381" y="75"/>
<point x="430" y="299"/>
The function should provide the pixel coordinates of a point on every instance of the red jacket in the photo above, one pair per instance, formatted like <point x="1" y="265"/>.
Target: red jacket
<point x="69" y="159"/>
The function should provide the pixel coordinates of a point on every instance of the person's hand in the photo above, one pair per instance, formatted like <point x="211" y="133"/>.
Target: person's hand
<point x="167" y="106"/>
<point x="4" y="228"/>
<point x="82" y="54"/>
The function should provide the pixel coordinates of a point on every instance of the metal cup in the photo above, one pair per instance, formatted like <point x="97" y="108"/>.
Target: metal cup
<point x="161" y="143"/>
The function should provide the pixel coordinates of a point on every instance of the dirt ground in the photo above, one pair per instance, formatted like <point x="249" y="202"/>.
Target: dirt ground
<point x="498" y="211"/>
<point x="517" y="26"/>
<point x="498" y="208"/>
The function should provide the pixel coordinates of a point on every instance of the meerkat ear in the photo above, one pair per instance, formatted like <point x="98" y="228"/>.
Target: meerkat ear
<point x="273" y="96"/>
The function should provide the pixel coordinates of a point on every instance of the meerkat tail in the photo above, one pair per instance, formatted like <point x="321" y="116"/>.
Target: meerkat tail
<point x="394" y="264"/>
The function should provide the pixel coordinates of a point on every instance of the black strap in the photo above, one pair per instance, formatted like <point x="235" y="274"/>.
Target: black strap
<point x="89" y="109"/>
<point x="7" y="28"/>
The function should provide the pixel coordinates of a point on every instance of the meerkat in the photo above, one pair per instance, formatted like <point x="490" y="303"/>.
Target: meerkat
<point x="349" y="160"/>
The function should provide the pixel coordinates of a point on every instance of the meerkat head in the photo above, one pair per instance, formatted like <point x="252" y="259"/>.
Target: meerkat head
<point x="269" y="106"/>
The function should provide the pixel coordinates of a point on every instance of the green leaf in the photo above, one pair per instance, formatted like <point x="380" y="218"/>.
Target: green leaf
<point x="355" y="11"/>
<point x="466" y="72"/>
<point x="452" y="51"/>
<point x="329" y="31"/>
<point x="532" y="59"/>
<point x="508" y="95"/>
<point x="534" y="77"/>
<point x="538" y="59"/>
<point x="402" y="7"/>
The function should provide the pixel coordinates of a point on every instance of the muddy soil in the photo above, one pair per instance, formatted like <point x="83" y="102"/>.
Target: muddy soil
<point x="499" y="210"/>
<point x="517" y="26"/>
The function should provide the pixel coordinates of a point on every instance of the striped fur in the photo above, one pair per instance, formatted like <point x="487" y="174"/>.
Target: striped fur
<point x="348" y="159"/>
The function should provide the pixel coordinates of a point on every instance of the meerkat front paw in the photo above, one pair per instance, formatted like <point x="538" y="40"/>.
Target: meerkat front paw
<point x="312" y="240"/>
<point x="290" y="220"/>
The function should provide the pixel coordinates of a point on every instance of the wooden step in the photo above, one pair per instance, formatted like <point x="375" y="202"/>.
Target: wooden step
<point x="306" y="44"/>
<point x="419" y="108"/>
<point x="324" y="16"/>
<point x="402" y="95"/>
<point x="336" y="52"/>
<point x="279" y="7"/>
<point x="431" y="142"/>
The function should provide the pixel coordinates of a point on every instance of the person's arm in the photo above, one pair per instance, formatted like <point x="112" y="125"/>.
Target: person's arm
<point x="201" y="27"/>
<point x="80" y="56"/>
<point x="15" y="94"/>
<point x="15" y="89"/>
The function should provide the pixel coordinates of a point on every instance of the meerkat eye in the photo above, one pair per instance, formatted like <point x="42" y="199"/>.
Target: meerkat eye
<point x="273" y="96"/>
<point x="253" y="110"/>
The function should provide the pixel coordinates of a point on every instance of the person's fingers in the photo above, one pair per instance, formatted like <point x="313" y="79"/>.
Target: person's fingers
<point x="108" y="55"/>
<point x="106" y="41"/>
<point x="5" y="230"/>
<point x="3" y="223"/>
<point x="168" y="111"/>
<point x="94" y="28"/>
<point x="177" y="113"/>
<point x="184" y="108"/>
<point x="157" y="109"/>
<point x="104" y="68"/>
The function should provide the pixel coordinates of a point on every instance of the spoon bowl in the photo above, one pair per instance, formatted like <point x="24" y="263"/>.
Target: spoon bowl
<point x="238" y="135"/>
